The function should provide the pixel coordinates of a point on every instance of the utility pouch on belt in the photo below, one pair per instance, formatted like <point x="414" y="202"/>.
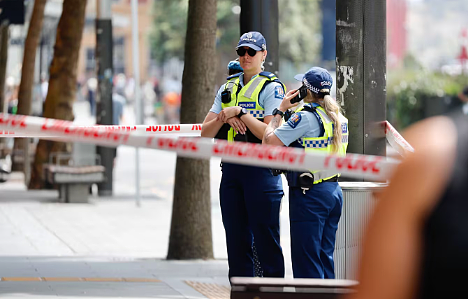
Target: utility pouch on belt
<point x="277" y="172"/>
<point x="304" y="180"/>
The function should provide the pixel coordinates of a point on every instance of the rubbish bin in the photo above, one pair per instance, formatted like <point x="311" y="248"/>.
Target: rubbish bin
<point x="358" y="203"/>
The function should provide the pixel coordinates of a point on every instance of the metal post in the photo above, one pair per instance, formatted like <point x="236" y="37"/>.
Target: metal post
<point x="361" y="72"/>
<point x="328" y="8"/>
<point x="262" y="16"/>
<point x="136" y="74"/>
<point x="104" y="111"/>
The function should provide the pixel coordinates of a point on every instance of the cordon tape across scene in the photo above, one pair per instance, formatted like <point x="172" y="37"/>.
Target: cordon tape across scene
<point x="353" y="165"/>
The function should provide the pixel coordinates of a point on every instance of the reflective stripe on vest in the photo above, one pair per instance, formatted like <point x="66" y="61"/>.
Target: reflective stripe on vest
<point x="324" y="144"/>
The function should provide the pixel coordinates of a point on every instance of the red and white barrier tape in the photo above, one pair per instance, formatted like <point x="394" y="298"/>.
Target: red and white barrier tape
<point x="392" y="135"/>
<point x="179" y="130"/>
<point x="397" y="141"/>
<point x="353" y="165"/>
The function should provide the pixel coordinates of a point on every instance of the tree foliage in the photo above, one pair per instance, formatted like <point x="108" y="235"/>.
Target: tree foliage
<point x="415" y="94"/>
<point x="299" y="29"/>
<point x="228" y="29"/>
<point x="167" y="37"/>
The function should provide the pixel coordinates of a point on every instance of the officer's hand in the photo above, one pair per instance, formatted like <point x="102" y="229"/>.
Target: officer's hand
<point x="237" y="124"/>
<point x="286" y="103"/>
<point x="228" y="112"/>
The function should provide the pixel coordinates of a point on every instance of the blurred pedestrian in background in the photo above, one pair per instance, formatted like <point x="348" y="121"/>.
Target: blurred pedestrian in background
<point x="11" y="97"/>
<point x="118" y="104"/>
<point x="44" y="86"/>
<point x="120" y="82"/>
<point x="158" y="102"/>
<point x="171" y="101"/>
<point x="91" y="95"/>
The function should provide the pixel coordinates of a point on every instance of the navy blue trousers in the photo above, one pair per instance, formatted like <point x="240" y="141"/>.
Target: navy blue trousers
<point x="314" y="220"/>
<point x="250" y="199"/>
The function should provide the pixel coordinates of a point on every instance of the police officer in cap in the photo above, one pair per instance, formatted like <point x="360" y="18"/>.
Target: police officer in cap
<point x="234" y="67"/>
<point x="250" y="197"/>
<point x="315" y="198"/>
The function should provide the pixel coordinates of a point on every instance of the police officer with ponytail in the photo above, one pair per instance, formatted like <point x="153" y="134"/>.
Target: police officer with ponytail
<point x="315" y="197"/>
<point x="250" y="197"/>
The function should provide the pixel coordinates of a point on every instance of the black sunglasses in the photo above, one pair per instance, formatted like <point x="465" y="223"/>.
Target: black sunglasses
<point x="241" y="52"/>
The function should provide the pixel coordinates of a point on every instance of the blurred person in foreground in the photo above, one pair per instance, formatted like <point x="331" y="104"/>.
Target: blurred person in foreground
<point x="315" y="197"/>
<point x="250" y="196"/>
<point x="463" y="96"/>
<point x="416" y="243"/>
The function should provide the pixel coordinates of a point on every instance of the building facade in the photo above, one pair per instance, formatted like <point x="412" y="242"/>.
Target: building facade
<point x="122" y="35"/>
<point x="396" y="32"/>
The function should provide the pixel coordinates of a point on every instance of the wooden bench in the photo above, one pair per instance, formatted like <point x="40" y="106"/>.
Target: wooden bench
<point x="74" y="173"/>
<point x="281" y="288"/>
<point x="5" y="162"/>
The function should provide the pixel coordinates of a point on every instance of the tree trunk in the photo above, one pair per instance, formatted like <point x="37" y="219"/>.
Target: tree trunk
<point x="29" y="58"/>
<point x="3" y="64"/>
<point x="62" y="81"/>
<point x="191" y="236"/>
<point x="27" y="76"/>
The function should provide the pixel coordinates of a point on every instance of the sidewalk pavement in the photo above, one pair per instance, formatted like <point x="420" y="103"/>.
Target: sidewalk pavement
<point x="105" y="277"/>
<point x="108" y="248"/>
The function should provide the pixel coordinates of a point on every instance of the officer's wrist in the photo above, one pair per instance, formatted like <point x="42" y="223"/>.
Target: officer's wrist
<point x="277" y="111"/>
<point x="282" y="109"/>
<point x="242" y="111"/>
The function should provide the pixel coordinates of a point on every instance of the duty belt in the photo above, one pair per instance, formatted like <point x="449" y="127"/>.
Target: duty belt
<point x="305" y="180"/>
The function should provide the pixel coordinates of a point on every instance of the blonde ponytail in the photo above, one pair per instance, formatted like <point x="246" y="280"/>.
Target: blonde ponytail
<point x="332" y="109"/>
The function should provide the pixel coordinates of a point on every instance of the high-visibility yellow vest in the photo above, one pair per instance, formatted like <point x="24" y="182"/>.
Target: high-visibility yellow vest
<point x="324" y="144"/>
<point x="247" y="97"/>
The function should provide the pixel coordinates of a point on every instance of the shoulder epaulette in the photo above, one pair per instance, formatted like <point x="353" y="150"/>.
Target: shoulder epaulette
<point x="267" y="74"/>
<point x="234" y="76"/>
<point x="308" y="108"/>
